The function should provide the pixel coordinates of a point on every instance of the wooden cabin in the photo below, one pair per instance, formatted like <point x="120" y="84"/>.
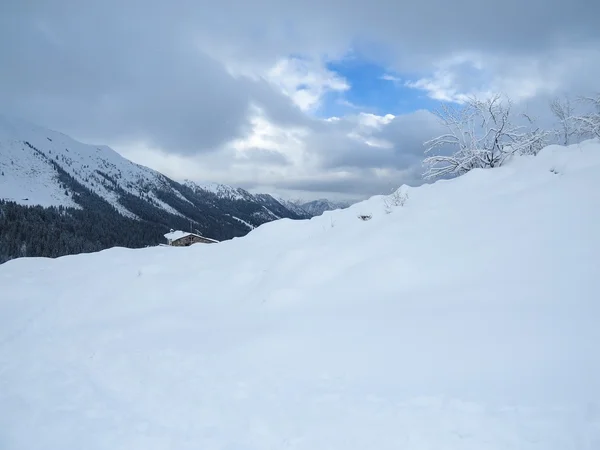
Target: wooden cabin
<point x="185" y="239"/>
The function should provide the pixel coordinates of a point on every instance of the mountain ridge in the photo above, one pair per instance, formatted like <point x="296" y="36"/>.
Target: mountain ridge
<point x="47" y="169"/>
<point x="319" y="206"/>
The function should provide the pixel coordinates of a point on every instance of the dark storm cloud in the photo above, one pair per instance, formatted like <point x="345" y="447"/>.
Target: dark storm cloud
<point x="126" y="78"/>
<point x="130" y="70"/>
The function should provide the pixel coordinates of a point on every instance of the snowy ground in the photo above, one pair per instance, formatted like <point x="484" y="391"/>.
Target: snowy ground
<point x="466" y="319"/>
<point x="27" y="178"/>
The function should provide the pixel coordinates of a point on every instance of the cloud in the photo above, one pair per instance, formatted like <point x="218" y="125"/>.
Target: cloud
<point x="358" y="155"/>
<point x="305" y="81"/>
<point x="163" y="91"/>
<point x="235" y="91"/>
<point x="389" y="77"/>
<point x="521" y="78"/>
<point x="368" y="141"/>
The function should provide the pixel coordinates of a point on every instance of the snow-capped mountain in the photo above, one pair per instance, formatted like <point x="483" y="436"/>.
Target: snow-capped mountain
<point x="220" y="190"/>
<point x="318" y="207"/>
<point x="41" y="167"/>
<point x="268" y="206"/>
<point x="293" y="205"/>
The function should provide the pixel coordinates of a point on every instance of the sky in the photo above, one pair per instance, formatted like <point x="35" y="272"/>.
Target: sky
<point x="305" y="99"/>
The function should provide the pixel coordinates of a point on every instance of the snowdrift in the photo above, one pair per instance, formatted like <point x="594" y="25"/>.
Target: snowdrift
<point x="465" y="319"/>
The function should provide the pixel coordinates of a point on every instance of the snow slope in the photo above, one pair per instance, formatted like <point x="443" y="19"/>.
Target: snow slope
<point x="98" y="168"/>
<point x="26" y="178"/>
<point x="466" y="319"/>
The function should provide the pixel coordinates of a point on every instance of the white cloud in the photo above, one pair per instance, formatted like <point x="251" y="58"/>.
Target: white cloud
<point x="305" y="81"/>
<point x="389" y="77"/>
<point x="521" y="78"/>
<point x="209" y="90"/>
<point x="454" y="79"/>
<point x="336" y="156"/>
<point x="265" y="135"/>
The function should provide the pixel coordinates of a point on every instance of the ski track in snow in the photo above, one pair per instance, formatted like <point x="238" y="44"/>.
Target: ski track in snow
<point x="464" y="320"/>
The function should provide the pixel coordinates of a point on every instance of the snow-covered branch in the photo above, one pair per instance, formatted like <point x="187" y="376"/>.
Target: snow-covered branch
<point x="481" y="134"/>
<point x="589" y="124"/>
<point x="564" y="111"/>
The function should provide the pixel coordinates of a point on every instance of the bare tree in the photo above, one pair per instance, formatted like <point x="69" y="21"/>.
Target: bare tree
<point x="589" y="124"/>
<point x="534" y="138"/>
<point x="483" y="135"/>
<point x="565" y="113"/>
<point x="397" y="198"/>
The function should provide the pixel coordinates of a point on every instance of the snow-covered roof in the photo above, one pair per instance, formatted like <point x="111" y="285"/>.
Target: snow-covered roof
<point x="174" y="235"/>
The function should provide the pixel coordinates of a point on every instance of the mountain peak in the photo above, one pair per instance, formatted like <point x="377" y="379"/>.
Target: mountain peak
<point x="318" y="207"/>
<point x="50" y="169"/>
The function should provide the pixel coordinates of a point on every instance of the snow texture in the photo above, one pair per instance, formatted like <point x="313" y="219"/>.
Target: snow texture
<point x="26" y="177"/>
<point x="466" y="319"/>
<point x="30" y="178"/>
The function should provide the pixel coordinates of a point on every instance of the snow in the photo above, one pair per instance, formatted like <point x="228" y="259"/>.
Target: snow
<point x="466" y="319"/>
<point x="164" y="205"/>
<point x="220" y="190"/>
<point x="25" y="178"/>
<point x="270" y="214"/>
<point x="174" y="235"/>
<point x="249" y="225"/>
<point x="30" y="175"/>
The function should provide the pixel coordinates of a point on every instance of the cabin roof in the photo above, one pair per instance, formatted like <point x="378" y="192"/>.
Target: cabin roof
<point x="176" y="235"/>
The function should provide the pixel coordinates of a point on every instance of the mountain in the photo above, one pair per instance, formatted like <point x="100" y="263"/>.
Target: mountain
<point x="464" y="319"/>
<point x="318" y="207"/>
<point x="292" y="205"/>
<point x="266" y="208"/>
<point x="60" y="196"/>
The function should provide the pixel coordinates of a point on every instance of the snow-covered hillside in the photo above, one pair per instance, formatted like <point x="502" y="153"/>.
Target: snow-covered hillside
<point x="221" y="190"/>
<point x="98" y="168"/>
<point x="26" y="177"/>
<point x="466" y="319"/>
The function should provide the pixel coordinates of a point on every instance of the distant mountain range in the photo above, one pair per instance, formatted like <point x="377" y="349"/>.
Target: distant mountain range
<point x="59" y="196"/>
<point x="318" y="207"/>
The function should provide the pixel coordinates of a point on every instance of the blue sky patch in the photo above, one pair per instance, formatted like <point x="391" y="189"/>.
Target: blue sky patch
<point x="370" y="92"/>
